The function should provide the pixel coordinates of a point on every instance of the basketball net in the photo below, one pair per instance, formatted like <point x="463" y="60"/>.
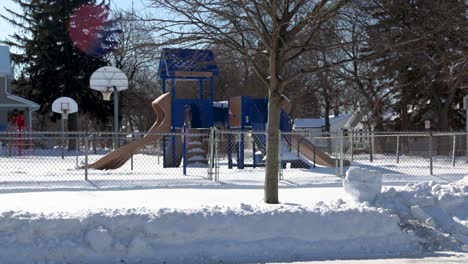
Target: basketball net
<point x="106" y="95"/>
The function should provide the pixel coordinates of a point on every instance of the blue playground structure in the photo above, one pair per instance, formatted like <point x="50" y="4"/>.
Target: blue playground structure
<point x="241" y="113"/>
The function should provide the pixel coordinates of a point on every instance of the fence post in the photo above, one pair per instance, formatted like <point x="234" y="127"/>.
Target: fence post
<point x="352" y="145"/>
<point x="216" y="157"/>
<point x="211" y="154"/>
<point x="454" y="143"/>
<point x="335" y="139"/>
<point x="341" y="152"/>
<point x="371" y="152"/>
<point x="77" y="147"/>
<point x="280" y="159"/>
<point x="314" y="156"/>
<point x="398" y="149"/>
<point x="86" y="156"/>
<point x="184" y="151"/>
<point x="430" y="153"/>
<point x="62" y="140"/>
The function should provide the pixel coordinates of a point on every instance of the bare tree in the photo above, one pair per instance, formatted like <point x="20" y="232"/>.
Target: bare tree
<point x="276" y="31"/>
<point x="137" y="57"/>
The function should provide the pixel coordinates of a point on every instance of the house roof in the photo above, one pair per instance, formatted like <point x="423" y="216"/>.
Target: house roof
<point x="5" y="62"/>
<point x="8" y="100"/>
<point x="13" y="101"/>
<point x="317" y="122"/>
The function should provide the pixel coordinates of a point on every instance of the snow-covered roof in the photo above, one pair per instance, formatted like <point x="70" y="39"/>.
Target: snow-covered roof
<point x="317" y="122"/>
<point x="221" y="104"/>
<point x="5" y="62"/>
<point x="22" y="102"/>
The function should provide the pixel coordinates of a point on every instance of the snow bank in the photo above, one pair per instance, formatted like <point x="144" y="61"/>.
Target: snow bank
<point x="242" y="234"/>
<point x="438" y="214"/>
<point x="362" y="185"/>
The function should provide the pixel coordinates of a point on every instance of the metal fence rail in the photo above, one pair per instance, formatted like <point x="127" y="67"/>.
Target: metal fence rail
<point x="35" y="160"/>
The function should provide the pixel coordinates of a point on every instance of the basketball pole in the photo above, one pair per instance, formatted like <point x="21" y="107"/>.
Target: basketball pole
<point x="63" y="135"/>
<point x="116" y="117"/>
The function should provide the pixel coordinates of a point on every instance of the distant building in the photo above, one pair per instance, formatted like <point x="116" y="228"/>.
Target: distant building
<point x="349" y="121"/>
<point x="314" y="128"/>
<point x="9" y="102"/>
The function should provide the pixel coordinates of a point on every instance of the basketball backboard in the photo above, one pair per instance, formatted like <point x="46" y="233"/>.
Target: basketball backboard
<point x="108" y="77"/>
<point x="64" y="106"/>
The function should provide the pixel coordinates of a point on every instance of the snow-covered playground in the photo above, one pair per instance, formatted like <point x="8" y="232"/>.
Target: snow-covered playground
<point x="50" y="214"/>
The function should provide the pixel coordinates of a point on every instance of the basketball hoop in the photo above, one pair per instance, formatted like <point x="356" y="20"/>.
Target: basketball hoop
<point x="106" y="95"/>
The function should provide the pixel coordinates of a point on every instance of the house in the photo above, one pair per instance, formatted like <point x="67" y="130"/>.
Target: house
<point x="9" y="102"/>
<point x="349" y="121"/>
<point x="314" y="128"/>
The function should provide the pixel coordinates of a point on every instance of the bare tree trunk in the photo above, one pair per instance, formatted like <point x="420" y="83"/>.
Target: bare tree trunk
<point x="404" y="122"/>
<point x="379" y="127"/>
<point x="272" y="164"/>
<point x="443" y="143"/>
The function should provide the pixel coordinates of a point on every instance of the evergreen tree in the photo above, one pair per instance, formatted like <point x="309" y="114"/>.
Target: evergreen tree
<point x="53" y="63"/>
<point x="425" y="58"/>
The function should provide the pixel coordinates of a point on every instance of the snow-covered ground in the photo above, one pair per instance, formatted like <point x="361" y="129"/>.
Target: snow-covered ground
<point x="47" y="170"/>
<point x="50" y="214"/>
<point x="194" y="226"/>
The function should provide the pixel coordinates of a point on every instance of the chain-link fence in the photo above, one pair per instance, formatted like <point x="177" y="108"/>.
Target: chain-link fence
<point x="443" y="155"/>
<point x="42" y="160"/>
<point x="195" y="157"/>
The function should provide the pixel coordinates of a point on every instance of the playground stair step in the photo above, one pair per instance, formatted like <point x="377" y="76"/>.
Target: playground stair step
<point x="196" y="150"/>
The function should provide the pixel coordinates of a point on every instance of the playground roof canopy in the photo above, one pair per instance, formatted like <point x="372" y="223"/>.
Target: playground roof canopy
<point x="188" y="64"/>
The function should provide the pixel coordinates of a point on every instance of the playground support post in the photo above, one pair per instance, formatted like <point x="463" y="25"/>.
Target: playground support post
<point x="164" y="151"/>
<point x="229" y="148"/>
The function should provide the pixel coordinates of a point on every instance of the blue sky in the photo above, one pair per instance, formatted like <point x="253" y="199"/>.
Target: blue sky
<point x="6" y="29"/>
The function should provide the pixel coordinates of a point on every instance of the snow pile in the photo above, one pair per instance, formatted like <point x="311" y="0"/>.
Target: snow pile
<point x="209" y="234"/>
<point x="438" y="214"/>
<point x="362" y="185"/>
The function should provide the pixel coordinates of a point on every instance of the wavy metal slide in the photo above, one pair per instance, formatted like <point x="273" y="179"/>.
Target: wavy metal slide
<point x="117" y="158"/>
